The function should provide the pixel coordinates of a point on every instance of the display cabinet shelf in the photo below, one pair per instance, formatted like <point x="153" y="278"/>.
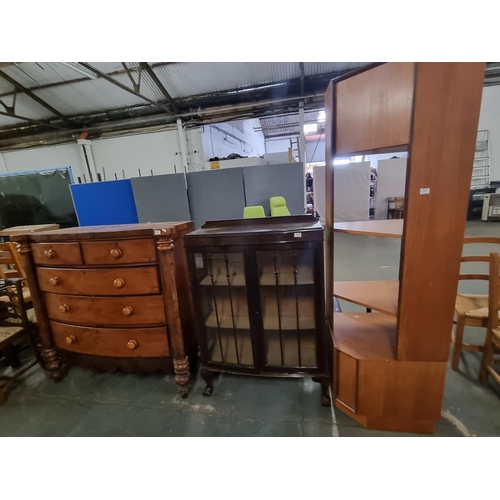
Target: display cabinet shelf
<point x="381" y="296"/>
<point x="392" y="228"/>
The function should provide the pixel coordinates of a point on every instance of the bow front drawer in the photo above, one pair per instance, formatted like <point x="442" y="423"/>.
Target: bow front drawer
<point x="113" y="281"/>
<point x="106" y="311"/>
<point x="55" y="254"/>
<point x="116" y="253"/>
<point x="127" y="343"/>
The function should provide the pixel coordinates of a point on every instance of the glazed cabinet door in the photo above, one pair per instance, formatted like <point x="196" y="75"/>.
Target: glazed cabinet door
<point x="221" y="299"/>
<point x="290" y="289"/>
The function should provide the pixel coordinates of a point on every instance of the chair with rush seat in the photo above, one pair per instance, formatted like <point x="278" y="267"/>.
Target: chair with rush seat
<point x="254" y="212"/>
<point x="278" y="206"/>
<point x="492" y="344"/>
<point x="471" y="309"/>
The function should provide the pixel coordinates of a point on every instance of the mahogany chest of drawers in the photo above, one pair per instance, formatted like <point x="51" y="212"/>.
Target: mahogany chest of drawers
<point x="112" y="297"/>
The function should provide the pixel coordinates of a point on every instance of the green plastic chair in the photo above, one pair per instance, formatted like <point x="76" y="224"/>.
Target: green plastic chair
<point x="254" y="212"/>
<point x="278" y="206"/>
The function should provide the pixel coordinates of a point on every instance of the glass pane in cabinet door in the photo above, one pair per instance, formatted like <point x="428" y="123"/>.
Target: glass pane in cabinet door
<point x="287" y="296"/>
<point x="224" y="298"/>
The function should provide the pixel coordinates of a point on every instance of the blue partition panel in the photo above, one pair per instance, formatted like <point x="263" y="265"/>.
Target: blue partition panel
<point x="102" y="203"/>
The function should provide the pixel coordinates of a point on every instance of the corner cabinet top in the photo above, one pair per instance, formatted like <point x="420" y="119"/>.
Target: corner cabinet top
<point x="171" y="229"/>
<point x="286" y="229"/>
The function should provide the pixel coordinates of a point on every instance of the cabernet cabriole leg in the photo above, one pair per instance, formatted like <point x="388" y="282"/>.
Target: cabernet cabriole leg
<point x="325" y="394"/>
<point x="208" y="377"/>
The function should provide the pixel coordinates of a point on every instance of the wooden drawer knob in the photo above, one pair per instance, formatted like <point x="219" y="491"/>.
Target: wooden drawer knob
<point x="70" y="339"/>
<point x="64" y="308"/>
<point x="127" y="311"/>
<point x="119" y="283"/>
<point x="54" y="280"/>
<point x="132" y="344"/>
<point x="116" y="253"/>
<point x="50" y="254"/>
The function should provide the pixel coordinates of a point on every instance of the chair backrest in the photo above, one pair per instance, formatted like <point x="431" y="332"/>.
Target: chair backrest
<point x="494" y="290"/>
<point x="278" y="206"/>
<point x="484" y="276"/>
<point x="10" y="262"/>
<point x="12" y="304"/>
<point x="399" y="202"/>
<point x="254" y="212"/>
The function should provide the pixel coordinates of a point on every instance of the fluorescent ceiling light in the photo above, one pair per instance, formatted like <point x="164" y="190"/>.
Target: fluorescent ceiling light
<point x="322" y="116"/>
<point x="310" y="128"/>
<point x="341" y="162"/>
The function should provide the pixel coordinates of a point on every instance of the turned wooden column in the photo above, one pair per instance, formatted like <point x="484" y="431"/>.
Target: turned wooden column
<point x="50" y="354"/>
<point x="166" y="259"/>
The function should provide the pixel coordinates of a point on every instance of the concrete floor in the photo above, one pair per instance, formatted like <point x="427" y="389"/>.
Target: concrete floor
<point x="86" y="403"/>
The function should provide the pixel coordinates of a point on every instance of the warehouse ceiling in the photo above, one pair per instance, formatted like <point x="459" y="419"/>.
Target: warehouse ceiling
<point x="45" y="103"/>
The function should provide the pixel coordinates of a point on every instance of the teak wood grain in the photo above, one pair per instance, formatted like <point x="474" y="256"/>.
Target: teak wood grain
<point x="373" y="109"/>
<point x="54" y="254"/>
<point x="106" y="311"/>
<point x="447" y="104"/>
<point x="380" y="296"/>
<point x="149" y="342"/>
<point x="119" y="252"/>
<point x="381" y="228"/>
<point x="116" y="281"/>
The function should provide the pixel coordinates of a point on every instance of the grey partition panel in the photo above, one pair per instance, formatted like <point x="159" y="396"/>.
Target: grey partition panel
<point x="265" y="181"/>
<point x="391" y="182"/>
<point x="216" y="195"/>
<point x="161" y="198"/>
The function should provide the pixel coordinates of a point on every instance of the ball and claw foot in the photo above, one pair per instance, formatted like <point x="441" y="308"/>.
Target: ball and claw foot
<point x="208" y="377"/>
<point x="184" y="391"/>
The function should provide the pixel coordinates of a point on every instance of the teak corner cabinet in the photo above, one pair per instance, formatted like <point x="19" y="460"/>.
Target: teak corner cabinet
<point x="390" y="365"/>
<point x="112" y="297"/>
<point x="258" y="288"/>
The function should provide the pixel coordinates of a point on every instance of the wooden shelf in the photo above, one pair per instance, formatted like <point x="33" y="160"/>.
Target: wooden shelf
<point x="270" y="314"/>
<point x="272" y="349"/>
<point x="291" y="349"/>
<point x="365" y="335"/>
<point x="383" y="228"/>
<point x="244" y="343"/>
<point x="380" y="296"/>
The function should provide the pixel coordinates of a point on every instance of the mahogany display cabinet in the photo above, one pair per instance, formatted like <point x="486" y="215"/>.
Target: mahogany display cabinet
<point x="258" y="290"/>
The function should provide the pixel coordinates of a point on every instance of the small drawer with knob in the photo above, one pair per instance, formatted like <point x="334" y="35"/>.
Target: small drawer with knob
<point x="57" y="254"/>
<point x="111" y="281"/>
<point x="117" y="253"/>
<point x="106" y="311"/>
<point x="134" y="342"/>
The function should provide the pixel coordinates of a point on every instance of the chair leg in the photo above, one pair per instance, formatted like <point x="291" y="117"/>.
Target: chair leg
<point x="487" y="358"/>
<point x="457" y="345"/>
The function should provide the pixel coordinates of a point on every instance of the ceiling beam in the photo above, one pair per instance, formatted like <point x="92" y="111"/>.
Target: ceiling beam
<point x="147" y="68"/>
<point x="30" y="94"/>
<point x="124" y="87"/>
<point x="31" y="120"/>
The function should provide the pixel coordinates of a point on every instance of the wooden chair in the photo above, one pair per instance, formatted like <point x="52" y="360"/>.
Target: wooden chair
<point x="492" y="344"/>
<point x="395" y="207"/>
<point x="11" y="267"/>
<point x="15" y="321"/>
<point x="471" y="309"/>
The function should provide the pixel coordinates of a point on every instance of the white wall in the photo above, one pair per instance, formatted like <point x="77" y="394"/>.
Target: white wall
<point x="277" y="145"/>
<point x="159" y="152"/>
<point x="238" y="137"/>
<point x="65" y="155"/>
<point x="489" y="119"/>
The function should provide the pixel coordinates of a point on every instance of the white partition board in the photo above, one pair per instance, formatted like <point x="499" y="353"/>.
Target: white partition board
<point x="351" y="195"/>
<point x="391" y="181"/>
<point x="319" y="178"/>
